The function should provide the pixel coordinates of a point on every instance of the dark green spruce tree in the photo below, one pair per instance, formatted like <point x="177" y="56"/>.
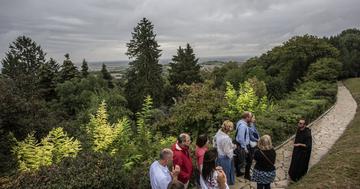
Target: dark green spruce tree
<point x="107" y="76"/>
<point x="48" y="79"/>
<point x="184" y="67"/>
<point x="68" y="69"/>
<point x="22" y="64"/>
<point x="84" y="69"/>
<point x="144" y="76"/>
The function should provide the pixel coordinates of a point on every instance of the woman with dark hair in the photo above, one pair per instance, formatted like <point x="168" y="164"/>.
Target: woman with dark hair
<point x="212" y="177"/>
<point x="201" y="147"/>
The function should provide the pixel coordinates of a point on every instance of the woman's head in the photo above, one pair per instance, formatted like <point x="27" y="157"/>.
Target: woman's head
<point x="227" y="126"/>
<point x="202" y="140"/>
<point x="209" y="164"/>
<point x="265" y="143"/>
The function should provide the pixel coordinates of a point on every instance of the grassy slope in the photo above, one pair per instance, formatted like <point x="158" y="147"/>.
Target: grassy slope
<point x="341" y="167"/>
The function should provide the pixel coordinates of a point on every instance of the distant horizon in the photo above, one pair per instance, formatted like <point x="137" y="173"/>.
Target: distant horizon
<point x="96" y="65"/>
<point x="201" y="59"/>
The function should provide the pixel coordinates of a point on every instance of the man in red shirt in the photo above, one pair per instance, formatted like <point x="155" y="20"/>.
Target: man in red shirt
<point x="182" y="158"/>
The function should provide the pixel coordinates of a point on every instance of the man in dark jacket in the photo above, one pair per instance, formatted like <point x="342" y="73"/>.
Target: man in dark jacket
<point x="182" y="158"/>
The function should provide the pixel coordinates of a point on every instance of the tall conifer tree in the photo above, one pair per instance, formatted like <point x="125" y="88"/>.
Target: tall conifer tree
<point x="84" y="69"/>
<point x="68" y="69"/>
<point x="184" y="67"/>
<point x="48" y="78"/>
<point x="22" y="64"/>
<point x="107" y="76"/>
<point x="144" y="74"/>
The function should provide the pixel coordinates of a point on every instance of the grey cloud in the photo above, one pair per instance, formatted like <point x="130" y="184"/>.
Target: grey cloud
<point x="99" y="29"/>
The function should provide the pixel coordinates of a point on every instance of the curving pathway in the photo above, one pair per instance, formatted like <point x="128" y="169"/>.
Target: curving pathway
<point x="325" y="131"/>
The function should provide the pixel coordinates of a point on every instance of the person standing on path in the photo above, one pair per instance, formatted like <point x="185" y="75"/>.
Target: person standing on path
<point x="160" y="176"/>
<point x="182" y="158"/>
<point x="242" y="138"/>
<point x="254" y="138"/>
<point x="202" y="143"/>
<point x="225" y="149"/>
<point x="301" y="153"/>
<point x="264" y="171"/>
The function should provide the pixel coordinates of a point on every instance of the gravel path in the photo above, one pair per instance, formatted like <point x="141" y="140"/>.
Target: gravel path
<point x="325" y="131"/>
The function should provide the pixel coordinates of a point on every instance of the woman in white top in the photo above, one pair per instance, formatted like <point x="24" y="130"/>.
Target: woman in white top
<point x="212" y="177"/>
<point x="225" y="149"/>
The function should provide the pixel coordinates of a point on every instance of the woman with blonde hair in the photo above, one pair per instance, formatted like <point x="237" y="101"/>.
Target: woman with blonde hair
<point x="225" y="149"/>
<point x="264" y="170"/>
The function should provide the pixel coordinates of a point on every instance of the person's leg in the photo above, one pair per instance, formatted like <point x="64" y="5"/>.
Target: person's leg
<point x="248" y="164"/>
<point x="267" y="186"/>
<point x="226" y="164"/>
<point x="237" y="164"/>
<point x="259" y="186"/>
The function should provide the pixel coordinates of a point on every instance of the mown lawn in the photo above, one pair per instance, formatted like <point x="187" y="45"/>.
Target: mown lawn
<point x="341" y="167"/>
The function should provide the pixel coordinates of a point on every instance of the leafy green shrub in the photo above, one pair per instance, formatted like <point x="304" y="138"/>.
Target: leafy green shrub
<point x="103" y="135"/>
<point x="88" y="170"/>
<point x="244" y="100"/>
<point x="324" y="69"/>
<point x="197" y="111"/>
<point x="31" y="154"/>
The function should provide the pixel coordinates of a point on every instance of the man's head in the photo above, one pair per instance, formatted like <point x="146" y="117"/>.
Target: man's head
<point x="246" y="116"/>
<point x="166" y="156"/>
<point x="301" y="123"/>
<point x="184" y="139"/>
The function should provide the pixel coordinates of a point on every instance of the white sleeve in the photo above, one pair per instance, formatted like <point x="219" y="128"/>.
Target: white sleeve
<point x="228" y="147"/>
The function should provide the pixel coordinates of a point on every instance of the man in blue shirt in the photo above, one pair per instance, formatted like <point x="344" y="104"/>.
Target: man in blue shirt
<point x="160" y="176"/>
<point x="243" y="141"/>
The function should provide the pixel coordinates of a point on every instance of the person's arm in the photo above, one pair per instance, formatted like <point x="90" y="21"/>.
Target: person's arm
<point x="240" y="136"/>
<point x="247" y="137"/>
<point x="228" y="147"/>
<point x="178" y="162"/>
<point x="308" y="141"/>
<point x="221" y="179"/>
<point x="300" y="145"/>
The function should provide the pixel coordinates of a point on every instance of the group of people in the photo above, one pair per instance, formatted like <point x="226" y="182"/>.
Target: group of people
<point x="217" y="167"/>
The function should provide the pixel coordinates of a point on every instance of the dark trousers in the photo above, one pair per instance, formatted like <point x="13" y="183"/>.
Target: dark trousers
<point x="239" y="160"/>
<point x="249" y="160"/>
<point x="263" y="186"/>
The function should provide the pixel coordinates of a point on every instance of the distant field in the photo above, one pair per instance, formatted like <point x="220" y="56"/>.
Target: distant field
<point x="121" y="65"/>
<point x="341" y="167"/>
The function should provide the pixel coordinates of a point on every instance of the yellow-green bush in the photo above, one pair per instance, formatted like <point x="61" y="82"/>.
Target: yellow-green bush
<point x="32" y="154"/>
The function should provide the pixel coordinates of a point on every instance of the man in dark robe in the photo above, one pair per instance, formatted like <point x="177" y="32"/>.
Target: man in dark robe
<point x="301" y="153"/>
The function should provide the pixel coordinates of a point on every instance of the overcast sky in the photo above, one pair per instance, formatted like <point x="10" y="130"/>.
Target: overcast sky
<point x="98" y="30"/>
